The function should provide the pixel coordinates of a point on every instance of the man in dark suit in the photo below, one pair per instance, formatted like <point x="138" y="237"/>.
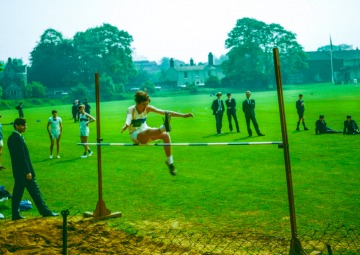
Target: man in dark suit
<point x="218" y="110"/>
<point x="231" y="112"/>
<point x="322" y="128"/>
<point x="350" y="126"/>
<point x="248" y="107"/>
<point x="23" y="173"/>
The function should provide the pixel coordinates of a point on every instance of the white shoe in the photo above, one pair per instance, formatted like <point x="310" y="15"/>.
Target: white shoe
<point x="83" y="156"/>
<point x="50" y="157"/>
<point x="90" y="153"/>
<point x="57" y="156"/>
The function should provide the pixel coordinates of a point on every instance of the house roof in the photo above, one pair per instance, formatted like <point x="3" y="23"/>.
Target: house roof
<point x="194" y="68"/>
<point x="339" y="54"/>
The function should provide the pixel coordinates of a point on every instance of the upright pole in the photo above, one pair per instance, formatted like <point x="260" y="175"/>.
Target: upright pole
<point x="331" y="62"/>
<point x="295" y="245"/>
<point x="101" y="211"/>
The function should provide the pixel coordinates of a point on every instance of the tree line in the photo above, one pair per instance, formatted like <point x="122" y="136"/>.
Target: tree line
<point x="71" y="63"/>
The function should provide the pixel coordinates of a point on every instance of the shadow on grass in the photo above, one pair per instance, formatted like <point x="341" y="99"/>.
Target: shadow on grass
<point x="219" y="135"/>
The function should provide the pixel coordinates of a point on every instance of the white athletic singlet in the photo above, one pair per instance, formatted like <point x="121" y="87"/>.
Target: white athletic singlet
<point x="136" y="121"/>
<point x="55" y="125"/>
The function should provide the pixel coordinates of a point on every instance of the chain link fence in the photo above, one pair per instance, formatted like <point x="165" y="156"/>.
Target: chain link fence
<point x="91" y="236"/>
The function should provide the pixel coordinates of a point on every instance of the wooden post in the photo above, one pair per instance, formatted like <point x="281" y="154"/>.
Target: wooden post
<point x="295" y="245"/>
<point x="101" y="211"/>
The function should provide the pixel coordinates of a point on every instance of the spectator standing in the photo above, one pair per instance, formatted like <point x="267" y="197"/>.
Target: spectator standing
<point x="231" y="112"/>
<point x="300" y="107"/>
<point x="74" y="111"/>
<point x="20" y="110"/>
<point x="248" y="107"/>
<point x="218" y="108"/>
<point x="87" y="106"/>
<point x="23" y="172"/>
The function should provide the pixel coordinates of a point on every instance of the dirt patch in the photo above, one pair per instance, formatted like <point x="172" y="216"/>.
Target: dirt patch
<point x="45" y="236"/>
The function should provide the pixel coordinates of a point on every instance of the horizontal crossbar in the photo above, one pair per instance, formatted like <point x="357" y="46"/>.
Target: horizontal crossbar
<point x="185" y="144"/>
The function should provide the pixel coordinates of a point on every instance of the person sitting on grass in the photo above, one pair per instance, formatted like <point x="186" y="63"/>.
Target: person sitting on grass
<point x="321" y="127"/>
<point x="350" y="127"/>
<point x="141" y="133"/>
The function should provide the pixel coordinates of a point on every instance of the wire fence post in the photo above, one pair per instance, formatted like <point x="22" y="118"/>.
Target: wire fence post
<point x="64" y="213"/>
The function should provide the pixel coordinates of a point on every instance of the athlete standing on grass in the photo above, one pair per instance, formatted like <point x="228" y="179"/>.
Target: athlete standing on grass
<point x="84" y="120"/>
<point x="54" y="128"/>
<point x="141" y="133"/>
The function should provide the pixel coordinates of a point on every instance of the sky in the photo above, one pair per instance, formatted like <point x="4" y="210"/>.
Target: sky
<point x="180" y="29"/>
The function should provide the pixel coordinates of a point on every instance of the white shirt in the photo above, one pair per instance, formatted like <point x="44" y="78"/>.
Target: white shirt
<point x="54" y="124"/>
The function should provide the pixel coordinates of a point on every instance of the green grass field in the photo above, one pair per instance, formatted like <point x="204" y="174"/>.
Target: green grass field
<point x="233" y="187"/>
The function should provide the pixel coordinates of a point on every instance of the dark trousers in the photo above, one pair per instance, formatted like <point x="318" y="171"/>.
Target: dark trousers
<point x="218" y="119"/>
<point x="256" y="126"/>
<point x="34" y="191"/>
<point x="233" y="115"/>
<point x="74" y="116"/>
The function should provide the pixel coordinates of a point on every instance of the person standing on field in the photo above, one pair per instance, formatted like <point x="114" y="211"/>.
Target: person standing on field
<point x="20" y="110"/>
<point x="231" y="112"/>
<point x="54" y="128"/>
<point x="87" y="106"/>
<point x="23" y="172"/>
<point x="141" y="133"/>
<point x="84" y="120"/>
<point x="300" y="107"/>
<point x="248" y="107"/>
<point x="74" y="111"/>
<point x="218" y="108"/>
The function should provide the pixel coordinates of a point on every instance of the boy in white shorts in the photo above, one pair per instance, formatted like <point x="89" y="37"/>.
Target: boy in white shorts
<point x="54" y="128"/>
<point x="84" y="120"/>
<point x="141" y="133"/>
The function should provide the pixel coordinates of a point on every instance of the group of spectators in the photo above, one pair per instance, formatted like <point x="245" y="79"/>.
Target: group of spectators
<point x="23" y="171"/>
<point x="248" y="107"/>
<point x="75" y="109"/>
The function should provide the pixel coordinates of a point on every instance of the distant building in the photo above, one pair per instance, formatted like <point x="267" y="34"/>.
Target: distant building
<point x="346" y="66"/>
<point x="13" y="80"/>
<point x="148" y="66"/>
<point x="193" y="74"/>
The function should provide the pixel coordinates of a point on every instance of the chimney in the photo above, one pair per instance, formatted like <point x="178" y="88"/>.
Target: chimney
<point x="172" y="63"/>
<point x="191" y="62"/>
<point x="210" y="59"/>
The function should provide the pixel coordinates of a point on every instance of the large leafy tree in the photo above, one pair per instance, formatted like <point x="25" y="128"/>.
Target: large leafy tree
<point x="106" y="50"/>
<point x="250" y="56"/>
<point x="59" y="62"/>
<point x="52" y="60"/>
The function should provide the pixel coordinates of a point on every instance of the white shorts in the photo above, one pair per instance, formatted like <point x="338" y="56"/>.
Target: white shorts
<point x="1" y="143"/>
<point x="133" y="136"/>
<point x="55" y="135"/>
<point x="84" y="132"/>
